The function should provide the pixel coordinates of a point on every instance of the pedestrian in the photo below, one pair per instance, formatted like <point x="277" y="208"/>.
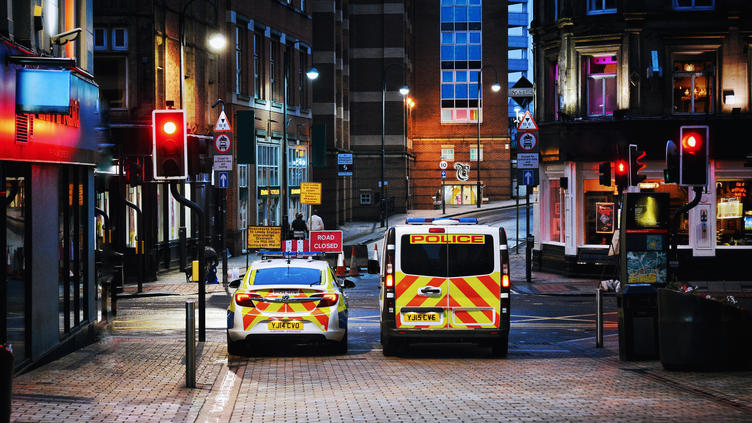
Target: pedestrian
<point x="316" y="223"/>
<point x="299" y="227"/>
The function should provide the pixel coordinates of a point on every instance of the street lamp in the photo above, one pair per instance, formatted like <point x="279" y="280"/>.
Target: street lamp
<point x="404" y="90"/>
<point x="217" y="42"/>
<point x="311" y="74"/>
<point x="495" y="88"/>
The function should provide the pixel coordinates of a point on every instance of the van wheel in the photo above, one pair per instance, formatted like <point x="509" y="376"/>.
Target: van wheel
<point x="390" y="347"/>
<point x="500" y="347"/>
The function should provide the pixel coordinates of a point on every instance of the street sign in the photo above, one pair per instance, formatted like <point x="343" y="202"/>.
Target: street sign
<point x="527" y="177"/>
<point x="527" y="160"/>
<point x="223" y="162"/>
<point x="296" y="245"/>
<point x="310" y="193"/>
<point x="222" y="142"/>
<point x="443" y="165"/>
<point x="326" y="241"/>
<point x="527" y="123"/>
<point x="223" y="125"/>
<point x="265" y="237"/>
<point x="522" y="92"/>
<point x="344" y="164"/>
<point x="443" y="174"/>
<point x="528" y="141"/>
<point x="223" y="179"/>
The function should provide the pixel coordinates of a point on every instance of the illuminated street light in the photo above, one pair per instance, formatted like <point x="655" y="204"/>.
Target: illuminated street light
<point x="217" y="42"/>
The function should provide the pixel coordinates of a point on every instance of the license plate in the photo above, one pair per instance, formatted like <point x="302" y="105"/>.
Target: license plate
<point x="421" y="317"/>
<point x="285" y="325"/>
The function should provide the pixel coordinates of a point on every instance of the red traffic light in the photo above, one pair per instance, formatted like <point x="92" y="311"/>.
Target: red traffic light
<point x="170" y="150"/>
<point x="621" y="167"/>
<point x="692" y="142"/>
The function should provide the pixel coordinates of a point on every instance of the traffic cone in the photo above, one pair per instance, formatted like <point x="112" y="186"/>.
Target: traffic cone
<point x="341" y="269"/>
<point x="373" y="261"/>
<point x="354" y="270"/>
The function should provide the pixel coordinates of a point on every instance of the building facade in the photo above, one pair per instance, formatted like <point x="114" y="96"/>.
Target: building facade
<point x="48" y="152"/>
<point x="610" y="73"/>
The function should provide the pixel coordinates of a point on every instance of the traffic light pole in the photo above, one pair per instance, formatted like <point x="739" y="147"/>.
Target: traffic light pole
<point x="673" y="262"/>
<point x="201" y="258"/>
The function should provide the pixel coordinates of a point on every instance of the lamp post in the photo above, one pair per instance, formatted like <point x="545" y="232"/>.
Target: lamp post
<point x="311" y="74"/>
<point x="404" y="90"/>
<point x="495" y="88"/>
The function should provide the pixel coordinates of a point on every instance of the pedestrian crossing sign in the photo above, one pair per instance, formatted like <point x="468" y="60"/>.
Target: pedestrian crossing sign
<point x="527" y="123"/>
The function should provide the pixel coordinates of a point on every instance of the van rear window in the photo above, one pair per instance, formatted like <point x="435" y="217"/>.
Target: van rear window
<point x="446" y="259"/>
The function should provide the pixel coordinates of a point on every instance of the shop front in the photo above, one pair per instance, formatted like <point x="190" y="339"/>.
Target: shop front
<point x="47" y="234"/>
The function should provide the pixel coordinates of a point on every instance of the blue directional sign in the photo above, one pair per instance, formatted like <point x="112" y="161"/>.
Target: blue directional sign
<point x="224" y="179"/>
<point x="527" y="177"/>
<point x="443" y="174"/>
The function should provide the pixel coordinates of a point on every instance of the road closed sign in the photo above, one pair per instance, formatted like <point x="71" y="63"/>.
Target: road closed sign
<point x="326" y="241"/>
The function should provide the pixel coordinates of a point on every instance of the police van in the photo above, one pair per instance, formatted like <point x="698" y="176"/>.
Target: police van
<point x="444" y="280"/>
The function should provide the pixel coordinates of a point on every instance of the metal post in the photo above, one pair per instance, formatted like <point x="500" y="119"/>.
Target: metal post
<point x="598" y="318"/>
<point x="284" y="194"/>
<point x="517" y="220"/>
<point x="443" y="203"/>
<point x="478" y="196"/>
<point x="190" y="344"/>
<point x="201" y="258"/>
<point x="223" y="234"/>
<point x="140" y="223"/>
<point x="528" y="247"/>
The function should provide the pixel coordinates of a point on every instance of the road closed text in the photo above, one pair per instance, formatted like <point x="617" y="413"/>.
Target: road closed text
<point x="447" y="239"/>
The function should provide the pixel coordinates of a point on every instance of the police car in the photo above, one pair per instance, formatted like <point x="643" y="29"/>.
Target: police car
<point x="288" y="297"/>
<point x="444" y="280"/>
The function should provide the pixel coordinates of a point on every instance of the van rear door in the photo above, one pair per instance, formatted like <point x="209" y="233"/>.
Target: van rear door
<point x="473" y="280"/>
<point x="420" y="281"/>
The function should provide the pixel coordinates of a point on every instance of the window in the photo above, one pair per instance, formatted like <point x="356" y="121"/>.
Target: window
<point x="734" y="212"/>
<point x="258" y="55"/>
<point x="238" y="59"/>
<point x="267" y="182"/>
<point x="601" y="85"/>
<point x="694" y="4"/>
<point x="273" y="57"/>
<point x="461" y="60"/>
<point x="556" y="224"/>
<point x="693" y="83"/>
<point x="112" y="77"/>
<point x="552" y="99"/>
<point x="366" y="198"/>
<point x="119" y="39"/>
<point x="267" y="169"/>
<point x="302" y="80"/>
<point x="596" y="7"/>
<point x="297" y="165"/>
<point x="447" y="153"/>
<point x="242" y="175"/>
<point x="100" y="38"/>
<point x="474" y="153"/>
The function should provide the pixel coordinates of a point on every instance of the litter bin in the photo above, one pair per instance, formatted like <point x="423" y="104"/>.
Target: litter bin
<point x="6" y="380"/>
<point x="638" y="323"/>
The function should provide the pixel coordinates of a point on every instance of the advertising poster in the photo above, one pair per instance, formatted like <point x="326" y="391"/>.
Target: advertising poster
<point x="604" y="218"/>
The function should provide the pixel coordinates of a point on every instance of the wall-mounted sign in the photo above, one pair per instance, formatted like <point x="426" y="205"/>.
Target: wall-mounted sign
<point x="310" y="193"/>
<point x="604" y="218"/>
<point x="43" y="91"/>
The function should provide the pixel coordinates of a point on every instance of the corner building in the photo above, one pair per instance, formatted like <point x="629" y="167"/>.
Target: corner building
<point x="610" y="73"/>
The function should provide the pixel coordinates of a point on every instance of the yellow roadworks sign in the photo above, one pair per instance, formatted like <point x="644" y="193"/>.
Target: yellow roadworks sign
<point x="310" y="193"/>
<point x="265" y="237"/>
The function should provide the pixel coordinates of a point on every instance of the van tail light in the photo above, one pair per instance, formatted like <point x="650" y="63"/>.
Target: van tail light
<point x="505" y="281"/>
<point x="389" y="277"/>
<point x="245" y="299"/>
<point x="329" y="299"/>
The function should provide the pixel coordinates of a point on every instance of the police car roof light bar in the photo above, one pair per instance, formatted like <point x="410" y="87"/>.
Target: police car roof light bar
<point x="473" y="220"/>
<point x="289" y="254"/>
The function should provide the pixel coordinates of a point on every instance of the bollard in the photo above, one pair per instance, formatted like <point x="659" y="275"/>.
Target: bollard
<point x="190" y="344"/>
<point x="6" y="381"/>
<point x="599" y="318"/>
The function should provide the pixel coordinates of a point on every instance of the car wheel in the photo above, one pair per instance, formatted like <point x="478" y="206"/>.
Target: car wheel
<point x="390" y="346"/>
<point x="340" y="348"/>
<point x="500" y="347"/>
<point x="237" y="347"/>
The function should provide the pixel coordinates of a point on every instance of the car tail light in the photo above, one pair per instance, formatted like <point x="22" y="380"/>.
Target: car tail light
<point x="329" y="299"/>
<point x="505" y="281"/>
<point x="246" y="299"/>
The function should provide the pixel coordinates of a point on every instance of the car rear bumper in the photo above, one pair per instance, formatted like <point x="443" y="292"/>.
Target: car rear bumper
<point x="302" y="336"/>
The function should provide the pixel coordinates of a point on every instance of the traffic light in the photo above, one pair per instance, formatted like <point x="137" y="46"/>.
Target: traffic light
<point x="636" y="164"/>
<point x="133" y="172"/>
<point x="693" y="155"/>
<point x="169" y="154"/>
<point x="621" y="175"/>
<point x="671" y="172"/>
<point x="199" y="156"/>
<point x="604" y="174"/>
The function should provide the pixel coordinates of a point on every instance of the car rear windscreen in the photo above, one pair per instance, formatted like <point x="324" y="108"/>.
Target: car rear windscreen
<point x="287" y="276"/>
<point x="447" y="255"/>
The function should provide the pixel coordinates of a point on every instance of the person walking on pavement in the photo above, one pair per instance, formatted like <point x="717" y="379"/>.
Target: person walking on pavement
<point x="299" y="227"/>
<point x="316" y="223"/>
